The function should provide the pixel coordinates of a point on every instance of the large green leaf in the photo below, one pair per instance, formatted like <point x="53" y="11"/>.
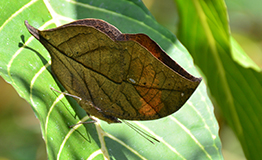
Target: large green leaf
<point x="234" y="81"/>
<point x="190" y="133"/>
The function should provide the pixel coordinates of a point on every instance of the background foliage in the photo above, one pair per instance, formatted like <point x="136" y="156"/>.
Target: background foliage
<point x="234" y="80"/>
<point x="190" y="133"/>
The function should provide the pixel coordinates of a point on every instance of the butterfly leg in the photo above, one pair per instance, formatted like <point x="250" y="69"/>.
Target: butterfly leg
<point x="87" y="122"/>
<point x="67" y="94"/>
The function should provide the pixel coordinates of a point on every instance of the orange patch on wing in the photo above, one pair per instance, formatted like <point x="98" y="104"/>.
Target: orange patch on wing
<point x="151" y="106"/>
<point x="147" y="110"/>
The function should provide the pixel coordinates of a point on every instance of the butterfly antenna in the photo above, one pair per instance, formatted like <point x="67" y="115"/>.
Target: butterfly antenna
<point x="142" y="133"/>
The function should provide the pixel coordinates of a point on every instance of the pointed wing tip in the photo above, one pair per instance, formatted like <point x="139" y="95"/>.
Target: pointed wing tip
<point x="27" y="25"/>
<point x="32" y="30"/>
<point x="195" y="79"/>
<point x="199" y="79"/>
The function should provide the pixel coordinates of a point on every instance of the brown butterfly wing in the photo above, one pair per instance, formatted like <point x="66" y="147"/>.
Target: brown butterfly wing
<point x="116" y="76"/>
<point x="87" y="63"/>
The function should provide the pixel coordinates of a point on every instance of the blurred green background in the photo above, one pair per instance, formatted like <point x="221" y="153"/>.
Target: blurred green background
<point x="20" y="135"/>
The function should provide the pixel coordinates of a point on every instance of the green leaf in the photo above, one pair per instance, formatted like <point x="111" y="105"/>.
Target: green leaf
<point x="233" y="79"/>
<point x="190" y="133"/>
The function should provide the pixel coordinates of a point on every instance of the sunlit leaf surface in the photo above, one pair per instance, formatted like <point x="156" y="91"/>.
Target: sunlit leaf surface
<point x="233" y="79"/>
